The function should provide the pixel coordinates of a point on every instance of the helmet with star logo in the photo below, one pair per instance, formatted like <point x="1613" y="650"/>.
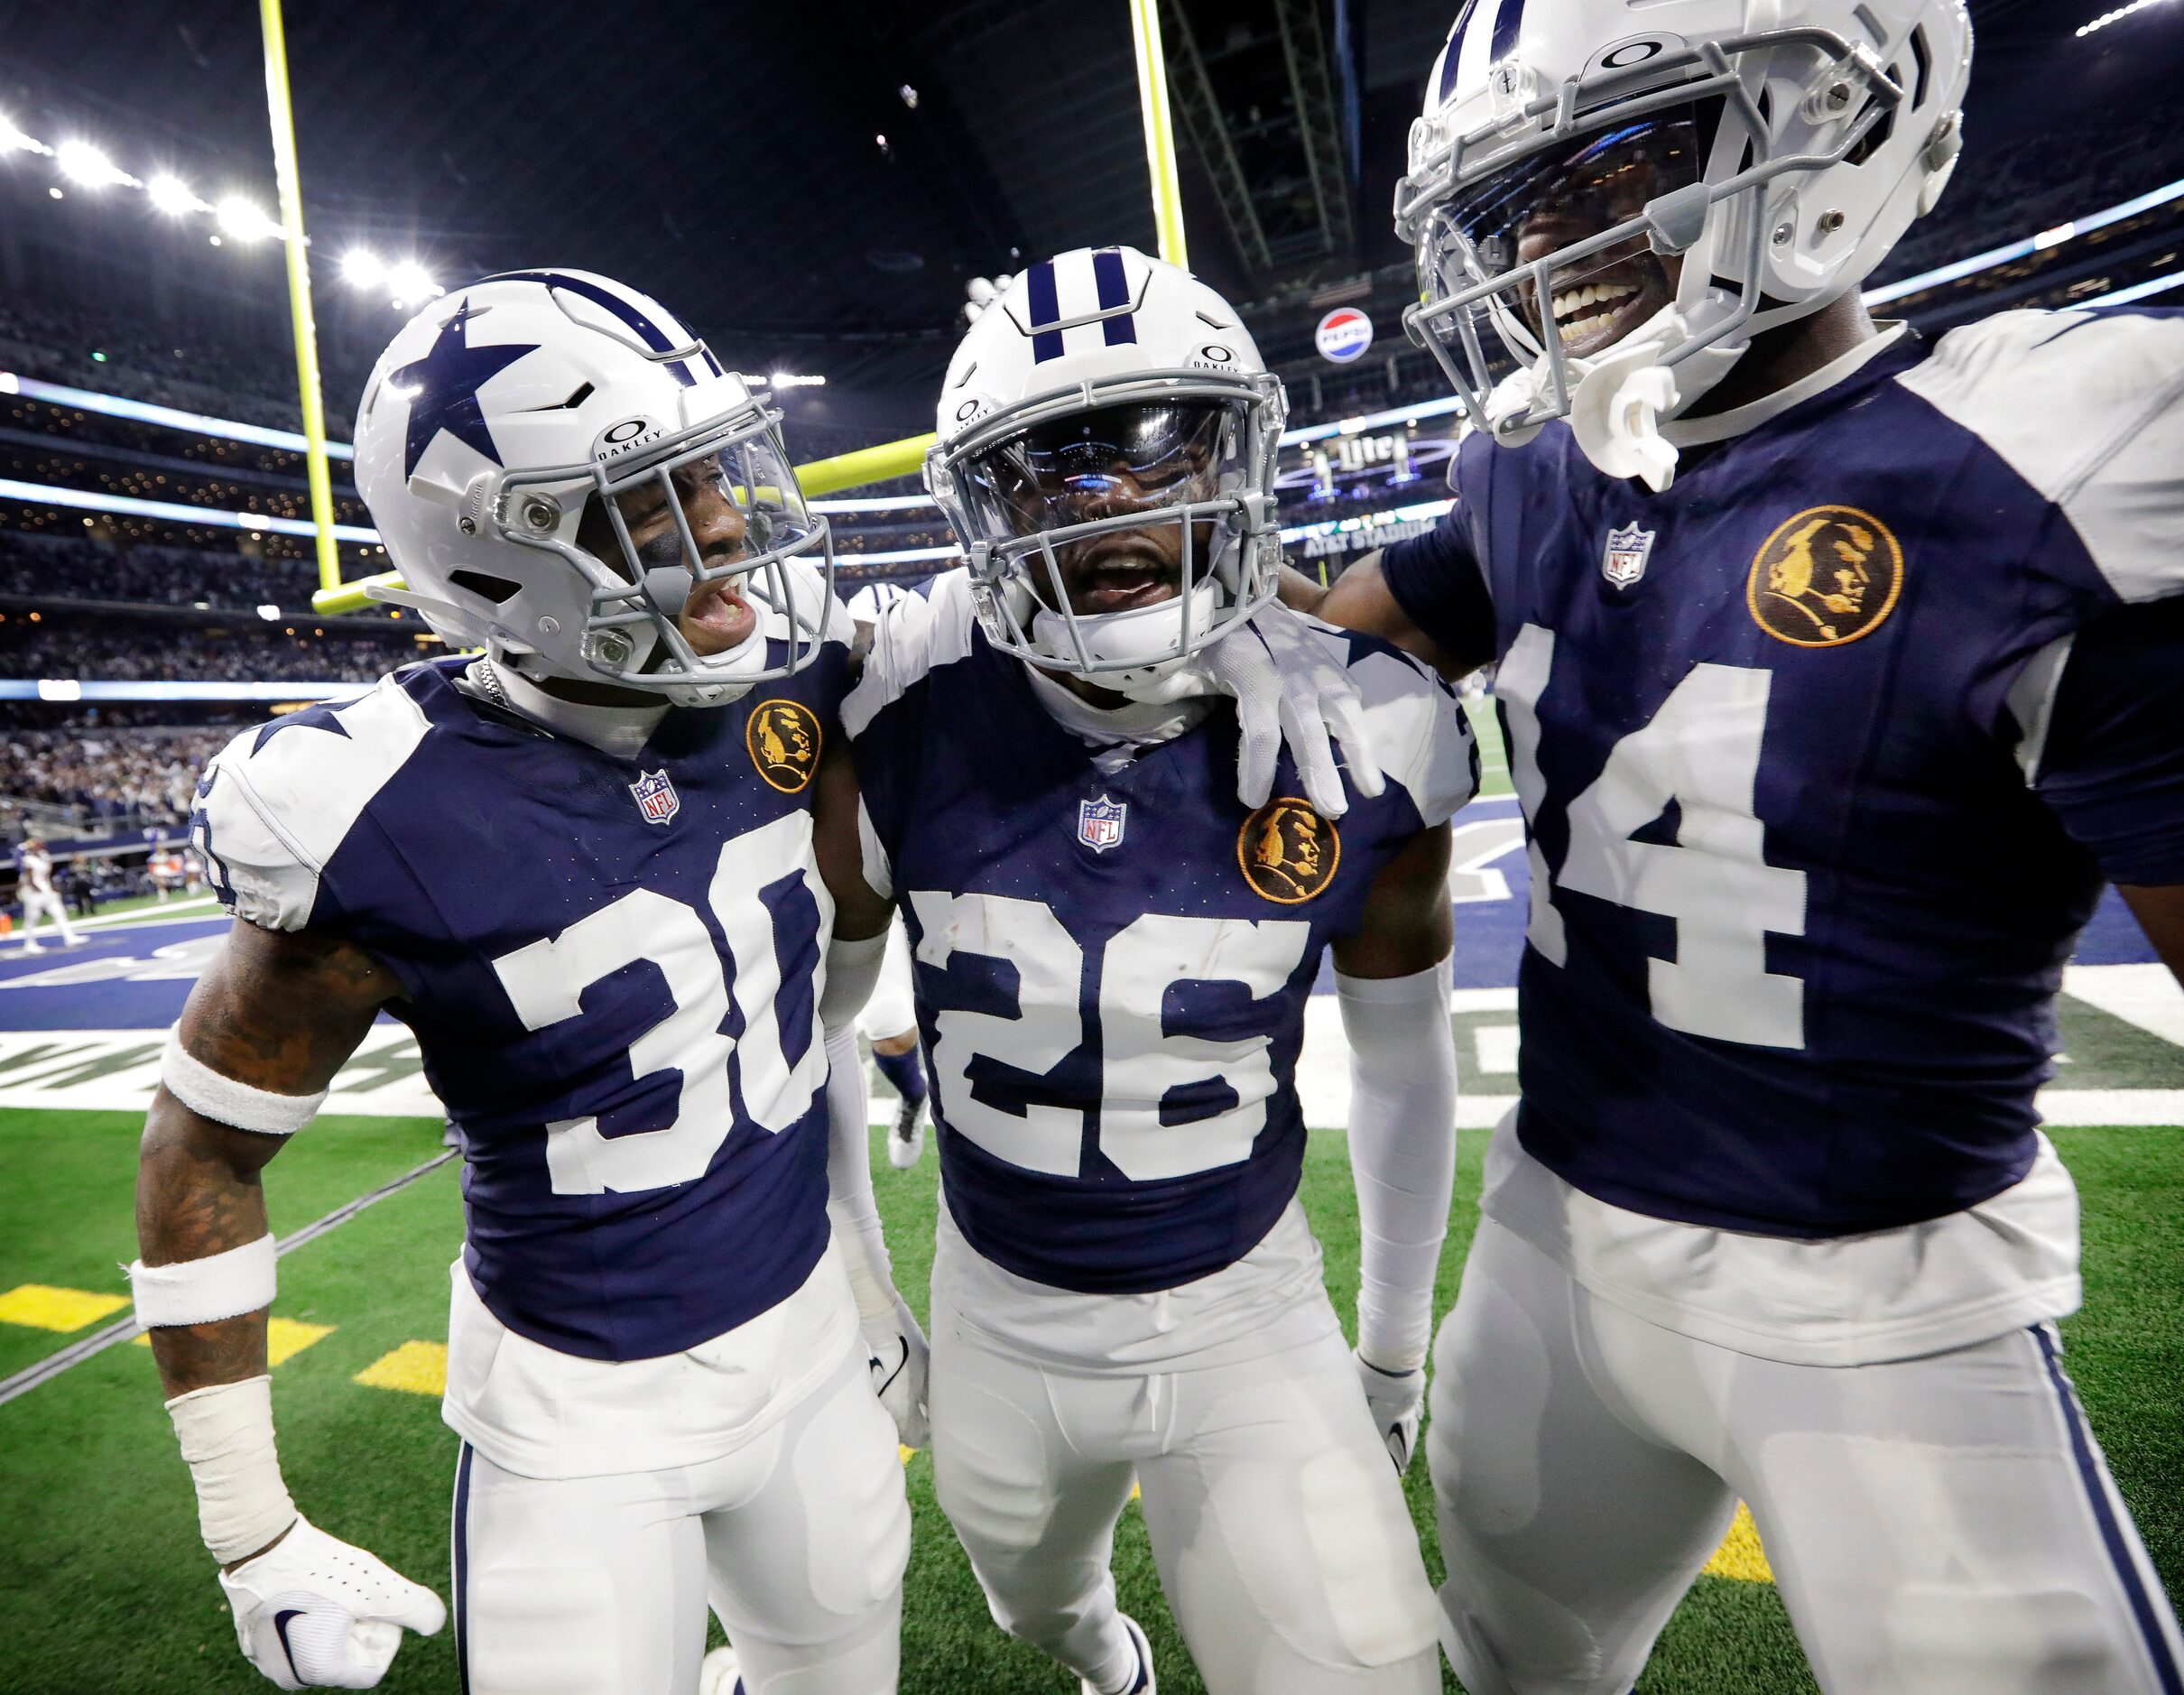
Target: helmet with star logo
<point x="564" y="474"/>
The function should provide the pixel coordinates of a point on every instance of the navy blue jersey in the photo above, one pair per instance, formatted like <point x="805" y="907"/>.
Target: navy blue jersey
<point x="1801" y="893"/>
<point x="609" y="966"/>
<point x="1112" y="963"/>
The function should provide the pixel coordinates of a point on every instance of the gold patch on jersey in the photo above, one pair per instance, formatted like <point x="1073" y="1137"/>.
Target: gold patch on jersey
<point x="783" y="737"/>
<point x="1829" y="576"/>
<point x="1288" y="852"/>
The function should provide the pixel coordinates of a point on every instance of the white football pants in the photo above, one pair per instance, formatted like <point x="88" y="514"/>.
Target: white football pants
<point x="1279" y="1527"/>
<point x="1936" y="1526"/>
<point x="46" y="903"/>
<point x="598" y="1585"/>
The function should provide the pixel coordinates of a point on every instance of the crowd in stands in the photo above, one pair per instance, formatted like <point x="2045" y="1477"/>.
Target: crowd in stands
<point x="112" y="653"/>
<point x="143" y="777"/>
<point x="202" y="373"/>
<point x="77" y="568"/>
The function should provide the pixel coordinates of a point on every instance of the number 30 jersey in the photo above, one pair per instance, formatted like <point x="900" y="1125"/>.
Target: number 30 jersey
<point x="1825" y="752"/>
<point x="1112" y="953"/>
<point x="610" y="968"/>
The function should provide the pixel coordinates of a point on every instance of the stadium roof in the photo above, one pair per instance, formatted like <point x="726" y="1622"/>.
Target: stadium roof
<point x="728" y="157"/>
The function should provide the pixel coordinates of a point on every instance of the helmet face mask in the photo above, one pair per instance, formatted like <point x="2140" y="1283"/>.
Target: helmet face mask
<point x="1693" y="194"/>
<point x="638" y="546"/>
<point x="1110" y="472"/>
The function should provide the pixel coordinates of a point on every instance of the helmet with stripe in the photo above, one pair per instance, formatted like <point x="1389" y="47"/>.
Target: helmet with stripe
<point x="564" y="474"/>
<point x="1106" y="451"/>
<point x="1667" y="182"/>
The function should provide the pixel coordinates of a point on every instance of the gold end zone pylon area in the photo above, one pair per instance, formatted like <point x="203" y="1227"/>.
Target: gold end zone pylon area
<point x="821" y="477"/>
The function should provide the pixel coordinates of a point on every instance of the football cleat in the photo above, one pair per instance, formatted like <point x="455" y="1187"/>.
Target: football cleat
<point x="906" y="1135"/>
<point x="721" y="1674"/>
<point x="1142" y="1684"/>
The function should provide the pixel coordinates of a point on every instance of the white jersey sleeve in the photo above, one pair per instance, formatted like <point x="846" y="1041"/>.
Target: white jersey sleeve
<point x="277" y="801"/>
<point x="913" y="636"/>
<point x="2089" y="408"/>
<point x="1419" y="732"/>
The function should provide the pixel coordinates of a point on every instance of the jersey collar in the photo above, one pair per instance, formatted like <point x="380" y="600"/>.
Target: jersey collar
<point x="1695" y="432"/>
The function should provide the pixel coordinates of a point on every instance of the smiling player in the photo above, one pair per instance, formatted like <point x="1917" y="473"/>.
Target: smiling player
<point x="1838" y="669"/>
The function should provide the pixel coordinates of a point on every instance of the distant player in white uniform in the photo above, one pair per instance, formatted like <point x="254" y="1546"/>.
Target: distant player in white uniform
<point x="1838" y="671"/>
<point x="585" y="870"/>
<point x="890" y="1019"/>
<point x="1114" y="954"/>
<point x="41" y="899"/>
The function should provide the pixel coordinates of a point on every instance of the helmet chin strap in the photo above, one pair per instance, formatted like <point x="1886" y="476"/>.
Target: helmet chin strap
<point x="1619" y="398"/>
<point x="1140" y="643"/>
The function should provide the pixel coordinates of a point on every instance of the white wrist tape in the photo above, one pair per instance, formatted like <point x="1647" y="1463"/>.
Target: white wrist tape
<point x="1403" y="1154"/>
<point x="226" y="1101"/>
<point x="852" y="968"/>
<point x="226" y="1433"/>
<point x="204" y="1291"/>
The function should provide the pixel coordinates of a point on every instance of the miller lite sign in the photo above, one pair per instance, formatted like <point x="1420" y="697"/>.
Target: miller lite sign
<point x="1343" y="335"/>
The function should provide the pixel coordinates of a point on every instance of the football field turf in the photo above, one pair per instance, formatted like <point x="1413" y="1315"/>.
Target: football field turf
<point x="104" y="1588"/>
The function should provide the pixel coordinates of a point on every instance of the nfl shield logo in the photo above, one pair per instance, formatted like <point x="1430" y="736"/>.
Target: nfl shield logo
<point x="656" y="798"/>
<point x="1628" y="549"/>
<point x="1099" y="823"/>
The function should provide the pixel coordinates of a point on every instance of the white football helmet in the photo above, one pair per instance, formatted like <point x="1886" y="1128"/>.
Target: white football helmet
<point x="1780" y="148"/>
<point x="1105" y="393"/>
<point x="532" y="448"/>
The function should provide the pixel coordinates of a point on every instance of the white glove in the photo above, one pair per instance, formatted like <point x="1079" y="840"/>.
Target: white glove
<point x="1289" y="686"/>
<point x="312" y="1612"/>
<point x="1394" y="1398"/>
<point x="900" y="1361"/>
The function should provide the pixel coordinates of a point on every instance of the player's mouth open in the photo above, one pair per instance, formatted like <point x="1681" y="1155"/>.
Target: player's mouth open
<point x="1116" y="578"/>
<point x="716" y="616"/>
<point x="1600" y="310"/>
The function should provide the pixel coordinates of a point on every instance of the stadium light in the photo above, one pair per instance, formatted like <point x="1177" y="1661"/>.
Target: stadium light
<point x="361" y="268"/>
<point x="270" y="614"/>
<point x="12" y="140"/>
<point x="85" y="166"/>
<point x="245" y="219"/>
<point x="2116" y="16"/>
<point x="410" y="283"/>
<point x="172" y="196"/>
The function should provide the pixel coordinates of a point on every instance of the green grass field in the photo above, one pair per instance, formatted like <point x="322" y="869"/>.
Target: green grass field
<point x="104" y="1588"/>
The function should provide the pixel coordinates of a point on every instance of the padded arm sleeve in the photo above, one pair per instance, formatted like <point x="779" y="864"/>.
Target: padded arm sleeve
<point x="1403" y="1154"/>
<point x="850" y="1207"/>
<point x="2111" y="767"/>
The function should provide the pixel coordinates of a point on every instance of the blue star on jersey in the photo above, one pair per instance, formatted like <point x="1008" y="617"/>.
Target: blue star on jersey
<point x="442" y="388"/>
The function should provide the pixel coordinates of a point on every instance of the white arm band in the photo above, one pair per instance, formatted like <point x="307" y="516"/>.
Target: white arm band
<point x="1403" y="1154"/>
<point x="850" y="1205"/>
<point x="226" y="1101"/>
<point x="226" y="1433"/>
<point x="204" y="1291"/>
<point x="852" y="968"/>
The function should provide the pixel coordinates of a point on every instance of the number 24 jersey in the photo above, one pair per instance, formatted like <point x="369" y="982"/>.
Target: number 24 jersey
<point x="1824" y="753"/>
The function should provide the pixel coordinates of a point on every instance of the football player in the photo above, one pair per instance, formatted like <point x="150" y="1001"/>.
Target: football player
<point x="1839" y="668"/>
<point x="1113" y="957"/>
<point x="40" y="899"/>
<point x="583" y="868"/>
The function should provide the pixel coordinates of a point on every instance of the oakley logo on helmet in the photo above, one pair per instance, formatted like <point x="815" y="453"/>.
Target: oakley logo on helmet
<point x="1623" y="55"/>
<point x="625" y="437"/>
<point x="1213" y="356"/>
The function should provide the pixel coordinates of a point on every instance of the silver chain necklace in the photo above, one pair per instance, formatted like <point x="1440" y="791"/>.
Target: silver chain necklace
<point x="489" y="680"/>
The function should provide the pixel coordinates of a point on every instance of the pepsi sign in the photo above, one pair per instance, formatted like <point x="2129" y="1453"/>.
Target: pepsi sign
<point x="1343" y="335"/>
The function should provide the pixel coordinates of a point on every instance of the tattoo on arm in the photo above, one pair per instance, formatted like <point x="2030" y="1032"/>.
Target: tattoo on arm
<point x="277" y="1012"/>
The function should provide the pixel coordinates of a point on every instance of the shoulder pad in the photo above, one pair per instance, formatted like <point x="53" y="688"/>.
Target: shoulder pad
<point x="916" y="636"/>
<point x="277" y="801"/>
<point x="2087" y="407"/>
